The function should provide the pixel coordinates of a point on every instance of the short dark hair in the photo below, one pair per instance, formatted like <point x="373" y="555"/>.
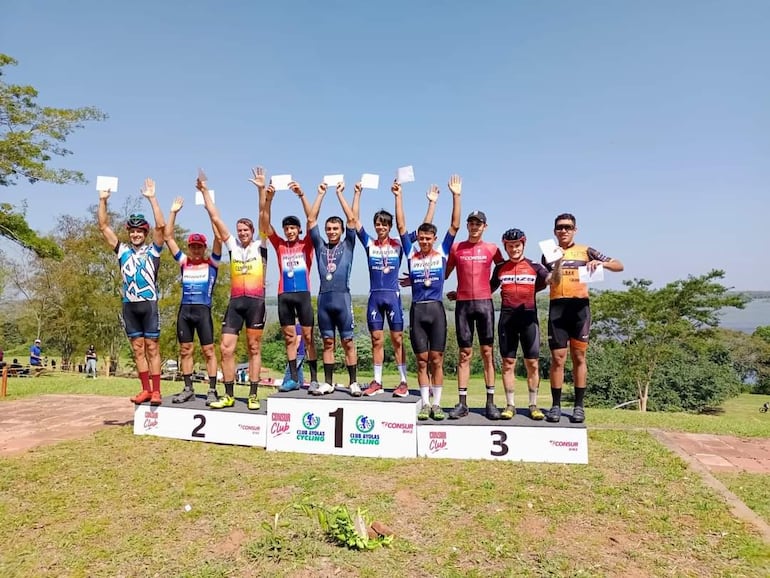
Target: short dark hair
<point x="427" y="228"/>
<point x="335" y="219"/>
<point x="246" y="222"/>
<point x="384" y="216"/>
<point x="565" y="217"/>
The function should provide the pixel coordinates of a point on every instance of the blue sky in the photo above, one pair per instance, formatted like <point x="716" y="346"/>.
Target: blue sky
<point x="647" y="120"/>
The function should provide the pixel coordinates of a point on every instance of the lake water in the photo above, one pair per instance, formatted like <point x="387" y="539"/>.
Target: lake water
<point x="755" y="314"/>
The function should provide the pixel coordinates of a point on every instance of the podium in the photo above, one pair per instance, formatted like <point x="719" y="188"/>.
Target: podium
<point x="379" y="426"/>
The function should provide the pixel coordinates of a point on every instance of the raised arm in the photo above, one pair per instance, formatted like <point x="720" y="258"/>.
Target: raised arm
<point x="432" y="195"/>
<point x="395" y="188"/>
<point x="168" y="233"/>
<point x="258" y="180"/>
<point x="211" y="209"/>
<point x="357" y="206"/>
<point x="216" y="245"/>
<point x="351" y="218"/>
<point x="265" y="216"/>
<point x="312" y="214"/>
<point x="103" y="218"/>
<point x="456" y="187"/>
<point x="148" y="191"/>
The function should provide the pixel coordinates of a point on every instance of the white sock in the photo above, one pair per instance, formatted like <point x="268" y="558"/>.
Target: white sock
<point x="378" y="373"/>
<point x="509" y="397"/>
<point x="437" y="394"/>
<point x="425" y="394"/>
<point x="533" y="397"/>
<point x="402" y="371"/>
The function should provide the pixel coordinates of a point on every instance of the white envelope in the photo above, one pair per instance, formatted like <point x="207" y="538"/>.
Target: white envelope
<point x="332" y="180"/>
<point x="107" y="184"/>
<point x="369" y="181"/>
<point x="405" y="174"/>
<point x="199" y="197"/>
<point x="551" y="251"/>
<point x="585" y="277"/>
<point x="281" y="182"/>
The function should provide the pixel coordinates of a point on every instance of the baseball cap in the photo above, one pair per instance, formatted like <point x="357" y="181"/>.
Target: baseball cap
<point x="196" y="239"/>
<point x="479" y="216"/>
<point x="291" y="220"/>
<point x="37" y="341"/>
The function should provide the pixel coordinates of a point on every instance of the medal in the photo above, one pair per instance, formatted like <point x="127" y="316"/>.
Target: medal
<point x="385" y="270"/>
<point x="329" y="276"/>
<point x="427" y="282"/>
<point x="290" y="274"/>
<point x="332" y="267"/>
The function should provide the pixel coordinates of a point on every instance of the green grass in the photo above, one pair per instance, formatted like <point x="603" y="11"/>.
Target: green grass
<point x="752" y="489"/>
<point x="113" y="504"/>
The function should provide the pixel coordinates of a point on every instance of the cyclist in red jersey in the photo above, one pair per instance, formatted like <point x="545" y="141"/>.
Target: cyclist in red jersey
<point x="519" y="280"/>
<point x="569" y="314"/>
<point x="474" y="311"/>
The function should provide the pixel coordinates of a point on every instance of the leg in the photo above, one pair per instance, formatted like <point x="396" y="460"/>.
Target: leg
<point x="186" y="355"/>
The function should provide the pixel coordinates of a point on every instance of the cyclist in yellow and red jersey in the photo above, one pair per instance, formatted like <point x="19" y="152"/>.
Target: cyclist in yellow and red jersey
<point x="569" y="314"/>
<point x="248" y="263"/>
<point x="474" y="311"/>
<point x="519" y="280"/>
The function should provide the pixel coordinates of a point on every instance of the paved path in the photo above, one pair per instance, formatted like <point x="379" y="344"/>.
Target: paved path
<point x="48" y="419"/>
<point x="726" y="453"/>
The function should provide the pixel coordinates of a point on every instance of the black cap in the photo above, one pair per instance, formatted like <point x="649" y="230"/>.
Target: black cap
<point x="479" y="216"/>
<point x="291" y="220"/>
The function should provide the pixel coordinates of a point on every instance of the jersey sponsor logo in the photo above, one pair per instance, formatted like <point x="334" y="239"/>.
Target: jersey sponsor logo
<point x="519" y="279"/>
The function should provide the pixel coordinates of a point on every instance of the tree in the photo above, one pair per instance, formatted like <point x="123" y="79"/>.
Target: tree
<point x="663" y="338"/>
<point x="31" y="135"/>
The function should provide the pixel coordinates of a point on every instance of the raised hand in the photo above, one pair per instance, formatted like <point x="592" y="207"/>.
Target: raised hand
<point x="432" y="193"/>
<point x="340" y="187"/>
<point x="455" y="184"/>
<point x="200" y="184"/>
<point x="270" y="192"/>
<point x="148" y="190"/>
<point x="104" y="194"/>
<point x="322" y="189"/>
<point x="358" y="188"/>
<point x="258" y="179"/>
<point x="295" y="188"/>
<point x="395" y="188"/>
<point x="177" y="204"/>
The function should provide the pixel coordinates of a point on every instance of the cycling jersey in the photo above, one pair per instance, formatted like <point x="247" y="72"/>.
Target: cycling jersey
<point x="198" y="278"/>
<point x="519" y="281"/>
<point x="383" y="260"/>
<point x="473" y="262"/>
<point x="139" y="270"/>
<point x="294" y="261"/>
<point x="247" y="268"/>
<point x="335" y="262"/>
<point x="427" y="272"/>
<point x="570" y="286"/>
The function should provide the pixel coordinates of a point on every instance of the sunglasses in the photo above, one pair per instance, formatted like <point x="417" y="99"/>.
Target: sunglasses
<point x="564" y="228"/>
<point x="136" y="217"/>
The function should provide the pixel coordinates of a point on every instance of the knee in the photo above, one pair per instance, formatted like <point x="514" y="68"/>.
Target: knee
<point x="186" y="349"/>
<point x="508" y="364"/>
<point x="422" y="363"/>
<point x="208" y="351"/>
<point x="465" y="355"/>
<point x="227" y="349"/>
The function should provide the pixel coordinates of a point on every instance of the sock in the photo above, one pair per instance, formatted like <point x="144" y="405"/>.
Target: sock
<point x="187" y="381"/>
<point x="463" y="396"/>
<point x="425" y="394"/>
<point x="230" y="388"/>
<point x="532" y="397"/>
<point x="155" y="382"/>
<point x="253" y="385"/>
<point x="293" y="369"/>
<point x="144" y="377"/>
<point x="509" y="397"/>
<point x="378" y="373"/>
<point x="352" y="372"/>
<point x="329" y="373"/>
<point x="213" y="382"/>
<point x="437" y="394"/>
<point x="490" y="394"/>
<point x="402" y="371"/>
<point x="313" y="365"/>
<point x="556" y="396"/>
<point x="580" y="393"/>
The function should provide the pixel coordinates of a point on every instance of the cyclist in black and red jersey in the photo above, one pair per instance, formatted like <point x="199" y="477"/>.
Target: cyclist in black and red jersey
<point x="519" y="279"/>
<point x="473" y="259"/>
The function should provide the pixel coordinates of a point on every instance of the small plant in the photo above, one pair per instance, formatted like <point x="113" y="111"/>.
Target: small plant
<point x="355" y="532"/>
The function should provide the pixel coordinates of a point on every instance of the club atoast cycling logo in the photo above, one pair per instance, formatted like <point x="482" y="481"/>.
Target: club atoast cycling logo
<point x="311" y="423"/>
<point x="365" y="435"/>
<point x="310" y="420"/>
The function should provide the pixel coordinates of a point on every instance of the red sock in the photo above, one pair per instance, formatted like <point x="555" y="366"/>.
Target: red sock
<point x="144" y="377"/>
<point x="155" y="382"/>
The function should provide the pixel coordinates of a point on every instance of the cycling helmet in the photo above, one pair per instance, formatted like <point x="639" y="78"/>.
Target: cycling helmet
<point x="514" y="235"/>
<point x="137" y="221"/>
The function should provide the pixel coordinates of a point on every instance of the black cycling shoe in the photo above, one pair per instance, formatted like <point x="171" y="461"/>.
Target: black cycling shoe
<point x="553" y="415"/>
<point x="492" y="412"/>
<point x="578" y="414"/>
<point x="458" y="411"/>
<point x="211" y="396"/>
<point x="183" y="396"/>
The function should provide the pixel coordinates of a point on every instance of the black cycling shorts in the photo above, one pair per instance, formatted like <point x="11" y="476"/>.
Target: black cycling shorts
<point x="518" y="326"/>
<point x="427" y="326"/>
<point x="295" y="307"/>
<point x="141" y="319"/>
<point x="192" y="319"/>
<point x="569" y="321"/>
<point x="240" y="310"/>
<point x="475" y="315"/>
